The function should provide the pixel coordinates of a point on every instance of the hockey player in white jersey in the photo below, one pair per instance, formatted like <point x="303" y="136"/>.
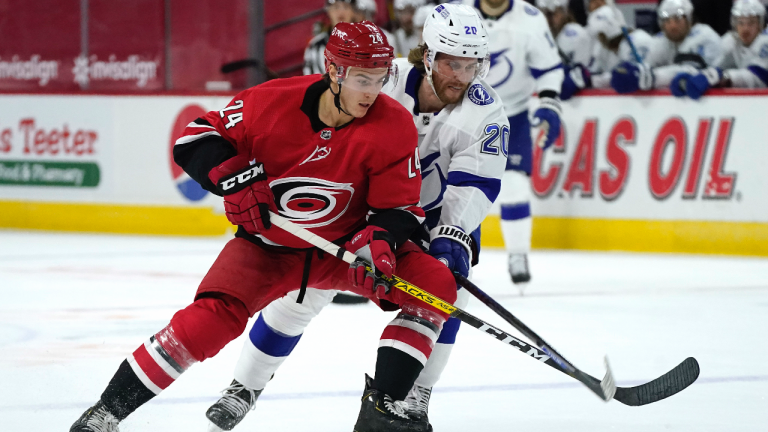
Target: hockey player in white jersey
<point x="406" y="36"/>
<point x="524" y="61"/>
<point x="463" y="138"/>
<point x="606" y="25"/>
<point x="680" y="46"/>
<point x="366" y="11"/>
<point x="745" y="55"/>
<point x="574" y="44"/>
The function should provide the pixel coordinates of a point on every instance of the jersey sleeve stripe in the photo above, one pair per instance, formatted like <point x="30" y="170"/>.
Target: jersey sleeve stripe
<point x="189" y="138"/>
<point x="760" y="73"/>
<point x="197" y="125"/>
<point x="489" y="186"/>
<point x="538" y="73"/>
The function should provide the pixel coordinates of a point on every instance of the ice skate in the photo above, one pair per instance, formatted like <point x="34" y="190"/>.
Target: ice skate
<point x="96" y="419"/>
<point x="518" y="270"/>
<point x="231" y="409"/>
<point x="379" y="413"/>
<point x="418" y="403"/>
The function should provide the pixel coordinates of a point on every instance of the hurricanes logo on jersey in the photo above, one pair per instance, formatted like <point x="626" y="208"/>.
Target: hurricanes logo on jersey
<point x="311" y="202"/>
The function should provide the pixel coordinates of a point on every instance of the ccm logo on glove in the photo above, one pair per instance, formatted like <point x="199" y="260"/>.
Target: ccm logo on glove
<point x="240" y="180"/>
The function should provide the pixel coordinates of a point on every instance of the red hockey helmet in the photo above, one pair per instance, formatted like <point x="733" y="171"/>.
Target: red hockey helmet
<point x="360" y="45"/>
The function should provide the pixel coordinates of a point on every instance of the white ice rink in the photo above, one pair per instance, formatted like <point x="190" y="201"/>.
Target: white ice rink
<point x="73" y="306"/>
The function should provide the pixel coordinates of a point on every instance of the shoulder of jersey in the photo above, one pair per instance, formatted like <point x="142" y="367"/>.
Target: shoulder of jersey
<point x="573" y="30"/>
<point x="481" y="106"/>
<point x="525" y="11"/>
<point x="320" y="39"/>
<point x="387" y="110"/>
<point x="762" y="38"/>
<point x="480" y="102"/>
<point x="761" y="45"/>
<point x="640" y="34"/>
<point x="704" y="30"/>
<point x="403" y="67"/>
<point x="729" y="37"/>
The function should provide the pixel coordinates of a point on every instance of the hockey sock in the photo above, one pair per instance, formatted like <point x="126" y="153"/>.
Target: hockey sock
<point x="211" y="321"/>
<point x="125" y="392"/>
<point x="404" y="348"/>
<point x="145" y="373"/>
<point x="515" y="200"/>
<point x="275" y="334"/>
<point x="442" y="350"/>
<point x="396" y="372"/>
<point x="440" y="355"/>
<point x="263" y="354"/>
<point x="516" y="227"/>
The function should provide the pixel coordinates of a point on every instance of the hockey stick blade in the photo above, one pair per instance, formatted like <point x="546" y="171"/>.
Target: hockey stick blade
<point x="669" y="384"/>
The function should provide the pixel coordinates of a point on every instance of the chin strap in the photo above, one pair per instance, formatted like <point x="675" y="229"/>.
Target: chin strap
<point x="432" y="84"/>
<point x="337" y="100"/>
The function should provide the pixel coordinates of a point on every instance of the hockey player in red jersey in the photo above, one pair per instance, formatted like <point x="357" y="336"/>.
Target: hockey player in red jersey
<point x="334" y="156"/>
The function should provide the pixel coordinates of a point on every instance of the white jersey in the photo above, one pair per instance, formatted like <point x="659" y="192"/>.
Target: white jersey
<point x="462" y="148"/>
<point x="403" y="44"/>
<point x="702" y="40"/>
<point x="576" y="44"/>
<point x="605" y="60"/>
<point x="524" y="57"/>
<point x="745" y="66"/>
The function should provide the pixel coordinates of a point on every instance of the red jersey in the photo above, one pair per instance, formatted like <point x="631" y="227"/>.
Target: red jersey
<point x="328" y="180"/>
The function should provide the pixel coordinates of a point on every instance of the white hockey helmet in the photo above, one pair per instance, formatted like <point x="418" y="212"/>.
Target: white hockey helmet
<point x="552" y="5"/>
<point x="456" y="30"/>
<point x="420" y="17"/>
<point x="605" y="20"/>
<point x="747" y="8"/>
<point x="675" y="8"/>
<point x="402" y="4"/>
<point x="367" y="6"/>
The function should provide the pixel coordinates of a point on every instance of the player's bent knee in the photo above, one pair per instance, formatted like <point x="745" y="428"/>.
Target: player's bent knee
<point x="208" y="324"/>
<point x="443" y="284"/>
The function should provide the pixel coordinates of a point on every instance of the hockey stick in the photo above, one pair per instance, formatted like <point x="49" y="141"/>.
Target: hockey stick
<point x="631" y="45"/>
<point x="662" y="387"/>
<point x="604" y="389"/>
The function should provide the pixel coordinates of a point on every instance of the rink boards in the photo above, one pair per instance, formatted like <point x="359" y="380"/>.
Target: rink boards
<point x="649" y="173"/>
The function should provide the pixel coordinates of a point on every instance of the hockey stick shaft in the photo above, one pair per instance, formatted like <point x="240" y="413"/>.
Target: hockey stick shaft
<point x="548" y="355"/>
<point x="631" y="45"/>
<point x="608" y="385"/>
<point x="669" y="384"/>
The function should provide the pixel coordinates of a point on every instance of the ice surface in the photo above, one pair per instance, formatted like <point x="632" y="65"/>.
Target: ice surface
<point x="74" y="305"/>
